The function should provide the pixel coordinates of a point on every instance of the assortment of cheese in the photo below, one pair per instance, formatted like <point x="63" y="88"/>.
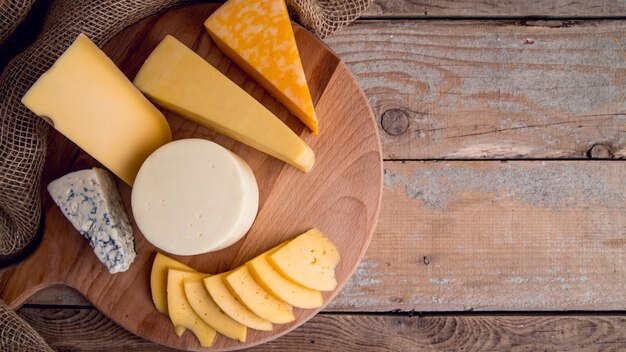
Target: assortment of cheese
<point x="256" y="295"/>
<point x="190" y="196"/>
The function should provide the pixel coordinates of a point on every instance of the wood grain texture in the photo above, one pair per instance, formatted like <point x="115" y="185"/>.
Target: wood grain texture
<point x="491" y="90"/>
<point x="495" y="8"/>
<point x="340" y="196"/>
<point x="490" y="235"/>
<point x="65" y="329"/>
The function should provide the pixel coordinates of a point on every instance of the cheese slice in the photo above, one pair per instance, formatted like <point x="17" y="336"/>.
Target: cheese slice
<point x="207" y="310"/>
<point x="253" y="296"/>
<point x="158" y="279"/>
<point x="308" y="260"/>
<point x="194" y="196"/>
<point x="228" y="304"/>
<point x="180" y="311"/>
<point x="89" y="100"/>
<point x="179" y="80"/>
<point x="257" y="35"/>
<point x="280" y="287"/>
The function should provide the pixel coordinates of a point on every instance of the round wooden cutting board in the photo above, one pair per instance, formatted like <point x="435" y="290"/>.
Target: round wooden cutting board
<point x="340" y="196"/>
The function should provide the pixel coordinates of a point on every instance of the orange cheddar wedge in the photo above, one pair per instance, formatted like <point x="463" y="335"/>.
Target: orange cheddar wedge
<point x="258" y="36"/>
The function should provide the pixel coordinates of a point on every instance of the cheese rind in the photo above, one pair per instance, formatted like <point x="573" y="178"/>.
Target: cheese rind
<point x="308" y="260"/>
<point x="236" y="310"/>
<point x="258" y="36"/>
<point x="259" y="301"/>
<point x="210" y="312"/>
<point x="179" y="80"/>
<point x="279" y="286"/>
<point x="90" y="101"/>
<point x="90" y="201"/>
<point x="158" y="279"/>
<point x="194" y="196"/>
<point x="180" y="311"/>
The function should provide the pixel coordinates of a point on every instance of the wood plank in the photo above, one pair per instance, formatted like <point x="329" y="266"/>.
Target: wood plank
<point x="89" y="330"/>
<point x="489" y="235"/>
<point x="495" y="8"/>
<point x="469" y="90"/>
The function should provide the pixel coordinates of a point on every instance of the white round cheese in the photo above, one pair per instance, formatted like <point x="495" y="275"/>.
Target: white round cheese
<point x="193" y="196"/>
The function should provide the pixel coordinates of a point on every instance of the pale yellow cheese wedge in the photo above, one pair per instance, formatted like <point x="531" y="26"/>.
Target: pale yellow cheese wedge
<point x="308" y="260"/>
<point x="228" y="304"/>
<point x="158" y="279"/>
<point x="253" y="296"/>
<point x="89" y="100"/>
<point x="181" y="81"/>
<point x="180" y="311"/>
<point x="257" y="35"/>
<point x="208" y="310"/>
<point x="280" y="287"/>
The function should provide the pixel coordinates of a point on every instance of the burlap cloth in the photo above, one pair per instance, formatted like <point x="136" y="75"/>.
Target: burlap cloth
<point x="23" y="136"/>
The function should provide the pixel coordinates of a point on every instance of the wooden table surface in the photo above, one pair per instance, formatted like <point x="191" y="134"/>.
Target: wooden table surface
<point x="503" y="221"/>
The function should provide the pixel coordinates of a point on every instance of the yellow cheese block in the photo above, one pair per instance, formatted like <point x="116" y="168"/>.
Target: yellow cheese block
<point x="257" y="35"/>
<point x="308" y="260"/>
<point x="179" y="80"/>
<point x="280" y="287"/>
<point x="253" y="296"/>
<point x="158" y="282"/>
<point x="88" y="99"/>
<point x="226" y="301"/>
<point x="180" y="311"/>
<point x="207" y="310"/>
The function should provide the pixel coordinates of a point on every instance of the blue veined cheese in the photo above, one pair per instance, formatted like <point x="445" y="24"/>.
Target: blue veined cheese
<point x="90" y="201"/>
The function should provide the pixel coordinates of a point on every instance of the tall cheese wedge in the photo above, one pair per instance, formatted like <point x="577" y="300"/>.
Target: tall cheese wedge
<point x="257" y="35"/>
<point x="158" y="279"/>
<point x="208" y="310"/>
<point x="308" y="260"/>
<point x="228" y="304"/>
<point x="89" y="100"/>
<point x="253" y="296"/>
<point x="180" y="311"/>
<point x="179" y="80"/>
<point x="279" y="286"/>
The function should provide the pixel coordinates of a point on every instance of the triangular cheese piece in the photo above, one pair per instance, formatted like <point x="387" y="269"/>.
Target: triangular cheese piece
<point x="258" y="36"/>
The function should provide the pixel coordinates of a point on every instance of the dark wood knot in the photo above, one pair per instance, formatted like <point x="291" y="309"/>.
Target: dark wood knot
<point x="599" y="151"/>
<point x="395" y="122"/>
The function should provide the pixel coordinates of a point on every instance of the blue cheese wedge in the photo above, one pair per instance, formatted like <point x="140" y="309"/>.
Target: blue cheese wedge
<point x="90" y="201"/>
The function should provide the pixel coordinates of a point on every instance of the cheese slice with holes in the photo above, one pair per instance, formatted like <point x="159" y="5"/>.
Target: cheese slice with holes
<point x="180" y="311"/>
<point x="226" y="301"/>
<point x="253" y="296"/>
<point x="258" y="36"/>
<point x="181" y="81"/>
<point x="208" y="310"/>
<point x="308" y="260"/>
<point x="88" y="99"/>
<point x="279" y="286"/>
<point x="158" y="279"/>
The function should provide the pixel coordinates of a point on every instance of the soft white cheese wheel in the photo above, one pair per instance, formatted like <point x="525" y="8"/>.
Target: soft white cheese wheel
<point x="193" y="196"/>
